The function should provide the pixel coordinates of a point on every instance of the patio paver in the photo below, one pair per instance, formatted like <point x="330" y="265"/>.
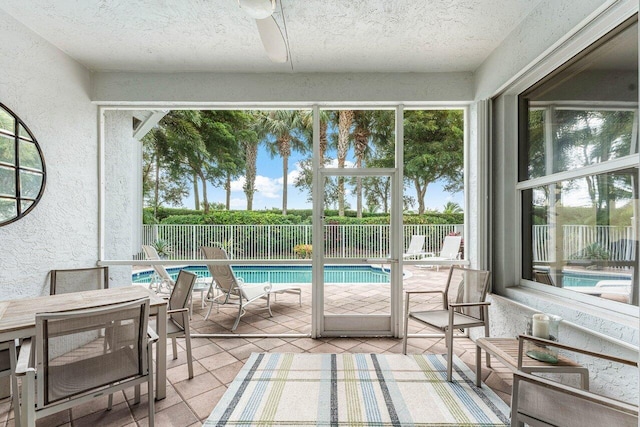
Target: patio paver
<point x="217" y="361"/>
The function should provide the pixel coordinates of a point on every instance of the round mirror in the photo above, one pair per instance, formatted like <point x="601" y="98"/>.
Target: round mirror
<point x="22" y="170"/>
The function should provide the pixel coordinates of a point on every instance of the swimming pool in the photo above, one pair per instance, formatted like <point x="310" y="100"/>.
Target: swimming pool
<point x="285" y="273"/>
<point x="579" y="279"/>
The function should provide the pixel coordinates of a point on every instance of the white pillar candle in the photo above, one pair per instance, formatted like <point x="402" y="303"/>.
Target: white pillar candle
<point x="540" y="326"/>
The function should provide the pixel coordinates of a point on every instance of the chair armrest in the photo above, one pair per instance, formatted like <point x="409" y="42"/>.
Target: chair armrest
<point x="177" y="310"/>
<point x="469" y="304"/>
<point x="24" y="358"/>
<point x="153" y="337"/>
<point x="423" y="292"/>
<point x="408" y="294"/>
<point x="542" y="341"/>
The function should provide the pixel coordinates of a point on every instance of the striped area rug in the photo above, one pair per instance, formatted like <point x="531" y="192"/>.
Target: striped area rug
<point x="285" y="389"/>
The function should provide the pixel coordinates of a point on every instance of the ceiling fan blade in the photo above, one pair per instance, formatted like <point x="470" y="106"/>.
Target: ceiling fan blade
<point x="272" y="39"/>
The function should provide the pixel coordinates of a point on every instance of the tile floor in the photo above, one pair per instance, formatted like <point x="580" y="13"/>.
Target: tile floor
<point x="217" y="360"/>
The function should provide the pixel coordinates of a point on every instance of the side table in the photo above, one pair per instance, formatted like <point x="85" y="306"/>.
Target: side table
<point x="506" y="351"/>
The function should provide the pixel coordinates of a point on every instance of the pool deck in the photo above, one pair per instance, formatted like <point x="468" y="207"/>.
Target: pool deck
<point x="218" y="360"/>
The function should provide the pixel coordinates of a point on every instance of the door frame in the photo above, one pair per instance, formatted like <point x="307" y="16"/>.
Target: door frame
<point x="357" y="325"/>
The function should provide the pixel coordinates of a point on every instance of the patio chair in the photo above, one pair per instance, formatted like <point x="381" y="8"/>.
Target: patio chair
<point x="78" y="279"/>
<point x="178" y="319"/>
<point x="164" y="283"/>
<point x="415" y="249"/>
<point x="464" y="306"/>
<point x="67" y="365"/>
<point x="450" y="250"/>
<point x="543" y="402"/>
<point x="8" y="361"/>
<point x="230" y="289"/>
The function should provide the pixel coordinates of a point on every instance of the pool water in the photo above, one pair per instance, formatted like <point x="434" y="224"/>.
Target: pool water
<point x="571" y="278"/>
<point x="285" y="273"/>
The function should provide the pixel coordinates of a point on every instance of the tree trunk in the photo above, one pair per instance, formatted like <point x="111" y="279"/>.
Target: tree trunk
<point x="345" y="119"/>
<point x="421" y="190"/>
<point x="227" y="189"/>
<point x="285" y="152"/>
<point x="323" y="141"/>
<point x="251" y="153"/>
<point x="205" y="200"/>
<point x="156" y="193"/>
<point x="196" y="192"/>
<point x="359" y="189"/>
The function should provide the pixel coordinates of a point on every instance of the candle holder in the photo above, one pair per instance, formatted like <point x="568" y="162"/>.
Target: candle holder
<point x="543" y="326"/>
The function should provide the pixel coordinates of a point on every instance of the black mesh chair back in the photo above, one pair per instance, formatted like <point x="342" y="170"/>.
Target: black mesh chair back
<point x="79" y="279"/>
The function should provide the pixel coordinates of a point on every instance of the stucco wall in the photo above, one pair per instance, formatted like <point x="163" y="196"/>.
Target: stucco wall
<point x="548" y="23"/>
<point x="50" y="93"/>
<point x="122" y="165"/>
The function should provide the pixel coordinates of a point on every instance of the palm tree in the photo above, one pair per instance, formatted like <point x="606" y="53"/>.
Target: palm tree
<point x="452" y="208"/>
<point x="371" y="126"/>
<point x="345" y="120"/>
<point x="284" y="126"/>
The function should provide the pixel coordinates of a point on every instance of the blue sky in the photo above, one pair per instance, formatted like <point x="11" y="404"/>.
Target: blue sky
<point x="269" y="189"/>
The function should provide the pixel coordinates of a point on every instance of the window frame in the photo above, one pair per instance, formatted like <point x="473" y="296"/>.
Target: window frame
<point x="505" y="131"/>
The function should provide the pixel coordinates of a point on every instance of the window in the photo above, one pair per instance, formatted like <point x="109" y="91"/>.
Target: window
<point x="22" y="170"/>
<point x="578" y="172"/>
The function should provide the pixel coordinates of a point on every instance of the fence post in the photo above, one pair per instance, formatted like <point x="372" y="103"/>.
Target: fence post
<point x="193" y="242"/>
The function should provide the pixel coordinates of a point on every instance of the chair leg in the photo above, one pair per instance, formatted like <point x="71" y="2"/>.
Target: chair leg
<point x="29" y="400"/>
<point x="486" y="333"/>
<point x="187" y="342"/>
<point x="175" y="348"/>
<point x="150" y="393"/>
<point x="110" y="402"/>
<point x="406" y="324"/>
<point x="449" y="340"/>
<point x="269" y="304"/>
<point x="478" y="367"/>
<point x="137" y="393"/>
<point x="235" y="325"/>
<point x="14" y="383"/>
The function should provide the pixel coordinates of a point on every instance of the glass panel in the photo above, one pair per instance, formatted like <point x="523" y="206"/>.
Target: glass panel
<point x="355" y="289"/>
<point x="581" y="235"/>
<point x="7" y="122"/>
<point x="578" y="138"/>
<point x="29" y="156"/>
<point x="434" y="161"/>
<point x="23" y="133"/>
<point x="8" y="209"/>
<point x="7" y="150"/>
<point x="30" y="184"/>
<point x="357" y="138"/>
<point x="25" y="204"/>
<point x="584" y="113"/>
<point x="7" y="182"/>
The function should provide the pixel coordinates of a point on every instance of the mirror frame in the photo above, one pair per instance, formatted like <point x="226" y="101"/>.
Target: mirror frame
<point x="16" y="137"/>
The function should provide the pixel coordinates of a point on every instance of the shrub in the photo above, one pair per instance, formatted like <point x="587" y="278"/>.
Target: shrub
<point x="303" y="251"/>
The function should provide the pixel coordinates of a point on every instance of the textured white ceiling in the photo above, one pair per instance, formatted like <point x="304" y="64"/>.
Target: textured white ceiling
<point x="323" y="35"/>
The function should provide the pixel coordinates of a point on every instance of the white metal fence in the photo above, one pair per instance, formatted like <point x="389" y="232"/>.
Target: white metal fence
<point x="278" y="241"/>
<point x="617" y="242"/>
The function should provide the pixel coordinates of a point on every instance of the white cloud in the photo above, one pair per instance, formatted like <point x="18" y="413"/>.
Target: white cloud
<point x="238" y="184"/>
<point x="237" y="203"/>
<point x="334" y="164"/>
